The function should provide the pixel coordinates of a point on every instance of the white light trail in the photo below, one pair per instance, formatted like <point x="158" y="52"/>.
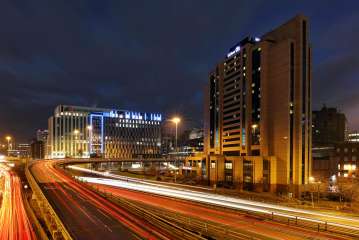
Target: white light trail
<point x="215" y="199"/>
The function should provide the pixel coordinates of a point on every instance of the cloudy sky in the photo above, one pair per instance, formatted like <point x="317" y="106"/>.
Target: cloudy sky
<point x="154" y="55"/>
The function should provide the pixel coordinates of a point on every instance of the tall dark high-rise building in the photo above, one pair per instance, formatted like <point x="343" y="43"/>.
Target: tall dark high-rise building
<point x="329" y="127"/>
<point x="258" y="112"/>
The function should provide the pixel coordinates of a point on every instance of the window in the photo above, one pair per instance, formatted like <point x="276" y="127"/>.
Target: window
<point x="345" y="159"/>
<point x="228" y="165"/>
<point x="338" y="149"/>
<point x="213" y="164"/>
<point x="354" y="158"/>
<point x="346" y="150"/>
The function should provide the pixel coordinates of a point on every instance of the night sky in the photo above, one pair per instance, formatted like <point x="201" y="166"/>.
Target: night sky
<point x="154" y="55"/>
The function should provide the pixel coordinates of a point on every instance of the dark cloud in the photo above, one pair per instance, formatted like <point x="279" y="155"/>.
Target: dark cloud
<point x="150" y="55"/>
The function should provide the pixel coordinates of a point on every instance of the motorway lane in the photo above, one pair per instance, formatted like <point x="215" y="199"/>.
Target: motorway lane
<point x="14" y="223"/>
<point x="241" y="204"/>
<point x="251" y="226"/>
<point x="85" y="214"/>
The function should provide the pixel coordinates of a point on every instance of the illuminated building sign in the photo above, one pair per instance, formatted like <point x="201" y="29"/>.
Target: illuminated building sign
<point x="134" y="115"/>
<point x="234" y="51"/>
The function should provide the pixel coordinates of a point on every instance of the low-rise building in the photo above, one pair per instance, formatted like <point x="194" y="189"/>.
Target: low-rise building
<point x="98" y="132"/>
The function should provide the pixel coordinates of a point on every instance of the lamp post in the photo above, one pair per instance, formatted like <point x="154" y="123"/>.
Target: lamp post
<point x="8" y="139"/>
<point x="176" y="120"/>
<point x="312" y="181"/>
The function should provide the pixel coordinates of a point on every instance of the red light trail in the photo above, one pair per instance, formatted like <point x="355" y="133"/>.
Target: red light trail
<point x="14" y="223"/>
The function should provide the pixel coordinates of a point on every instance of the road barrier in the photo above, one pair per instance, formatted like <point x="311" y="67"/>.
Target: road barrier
<point x="162" y="223"/>
<point x="52" y="221"/>
<point x="195" y="225"/>
<point x="40" y="233"/>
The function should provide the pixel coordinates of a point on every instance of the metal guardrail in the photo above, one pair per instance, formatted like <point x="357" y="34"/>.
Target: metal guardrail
<point x="154" y="219"/>
<point x="203" y="227"/>
<point x="53" y="222"/>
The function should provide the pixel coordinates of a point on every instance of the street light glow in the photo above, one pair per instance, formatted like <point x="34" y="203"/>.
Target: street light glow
<point x="89" y="127"/>
<point x="76" y="131"/>
<point x="176" y="120"/>
<point x="8" y="138"/>
<point x="311" y="179"/>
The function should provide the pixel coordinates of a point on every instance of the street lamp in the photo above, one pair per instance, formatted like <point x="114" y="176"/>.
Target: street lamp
<point x="176" y="120"/>
<point x="311" y="179"/>
<point x="8" y="139"/>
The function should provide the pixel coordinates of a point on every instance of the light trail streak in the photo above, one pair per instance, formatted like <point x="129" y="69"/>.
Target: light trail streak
<point x="215" y="199"/>
<point x="14" y="223"/>
<point x="71" y="196"/>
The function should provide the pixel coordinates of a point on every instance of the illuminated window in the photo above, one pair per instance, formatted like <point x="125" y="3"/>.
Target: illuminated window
<point x="350" y="167"/>
<point x="213" y="164"/>
<point x="228" y="165"/>
<point x="346" y="150"/>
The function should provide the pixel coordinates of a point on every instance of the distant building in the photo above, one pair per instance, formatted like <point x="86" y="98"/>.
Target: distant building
<point x="329" y="127"/>
<point x="110" y="133"/>
<point x="257" y="131"/>
<point x="41" y="135"/>
<point x="191" y="142"/>
<point x="347" y="157"/>
<point x="38" y="149"/>
<point x="325" y="164"/>
<point x="328" y="130"/>
<point x="167" y="139"/>
<point x="353" y="137"/>
<point x="22" y="150"/>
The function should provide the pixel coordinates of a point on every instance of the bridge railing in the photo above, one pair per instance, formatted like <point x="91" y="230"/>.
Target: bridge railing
<point x="53" y="222"/>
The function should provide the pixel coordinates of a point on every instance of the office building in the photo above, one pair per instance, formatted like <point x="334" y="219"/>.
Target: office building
<point x="41" y="135"/>
<point x="22" y="150"/>
<point x="97" y="132"/>
<point x="258" y="112"/>
<point x="191" y="142"/>
<point x="329" y="127"/>
<point x="353" y="137"/>
<point x="347" y="157"/>
<point x="37" y="149"/>
<point x="328" y="130"/>
<point x="325" y="164"/>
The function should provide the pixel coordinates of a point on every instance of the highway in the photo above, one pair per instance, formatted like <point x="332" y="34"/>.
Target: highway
<point x="120" y="182"/>
<point x="87" y="215"/>
<point x="14" y="223"/>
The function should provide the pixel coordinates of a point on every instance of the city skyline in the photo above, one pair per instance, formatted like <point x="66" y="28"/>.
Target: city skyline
<point x="93" y="56"/>
<point x="179" y="120"/>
